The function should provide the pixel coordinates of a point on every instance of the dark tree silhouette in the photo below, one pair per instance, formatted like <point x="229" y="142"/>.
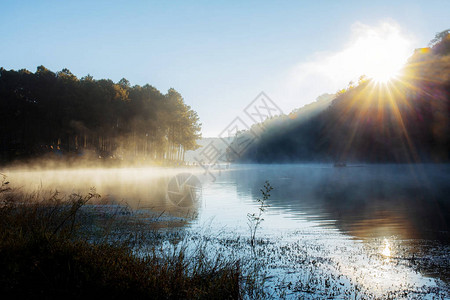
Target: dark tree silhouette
<point x="46" y="112"/>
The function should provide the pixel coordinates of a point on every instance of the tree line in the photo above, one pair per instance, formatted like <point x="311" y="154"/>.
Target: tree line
<point x="57" y="114"/>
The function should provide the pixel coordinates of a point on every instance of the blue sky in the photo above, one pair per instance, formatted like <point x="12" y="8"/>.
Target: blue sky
<point x="219" y="55"/>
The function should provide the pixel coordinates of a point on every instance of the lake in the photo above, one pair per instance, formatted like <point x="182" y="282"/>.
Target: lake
<point x="381" y="228"/>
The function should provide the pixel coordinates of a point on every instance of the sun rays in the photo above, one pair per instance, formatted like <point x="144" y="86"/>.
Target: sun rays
<point x="383" y="111"/>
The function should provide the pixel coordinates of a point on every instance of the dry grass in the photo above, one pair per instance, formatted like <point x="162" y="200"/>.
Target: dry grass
<point x="46" y="250"/>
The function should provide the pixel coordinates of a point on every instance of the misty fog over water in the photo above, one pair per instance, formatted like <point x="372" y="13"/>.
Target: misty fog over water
<point x="364" y="201"/>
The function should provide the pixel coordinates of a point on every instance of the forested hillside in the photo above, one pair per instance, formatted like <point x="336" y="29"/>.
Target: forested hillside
<point x="404" y="120"/>
<point x="57" y="114"/>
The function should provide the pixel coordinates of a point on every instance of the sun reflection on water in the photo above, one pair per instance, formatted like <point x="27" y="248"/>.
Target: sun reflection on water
<point x="386" y="250"/>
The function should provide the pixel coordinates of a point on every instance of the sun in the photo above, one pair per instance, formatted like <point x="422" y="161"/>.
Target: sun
<point x="377" y="51"/>
<point x="384" y="73"/>
<point x="381" y="53"/>
<point x="387" y="60"/>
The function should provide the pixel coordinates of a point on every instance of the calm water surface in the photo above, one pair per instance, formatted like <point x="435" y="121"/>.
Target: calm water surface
<point x="367" y="201"/>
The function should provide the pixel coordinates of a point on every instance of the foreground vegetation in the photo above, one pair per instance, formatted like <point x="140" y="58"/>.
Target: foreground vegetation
<point x="51" y="248"/>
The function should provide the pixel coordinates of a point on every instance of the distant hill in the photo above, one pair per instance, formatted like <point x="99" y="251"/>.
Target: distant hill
<point x="278" y="126"/>
<point x="404" y="120"/>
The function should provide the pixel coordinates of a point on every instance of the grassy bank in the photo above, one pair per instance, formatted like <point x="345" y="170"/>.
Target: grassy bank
<point x="47" y="249"/>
